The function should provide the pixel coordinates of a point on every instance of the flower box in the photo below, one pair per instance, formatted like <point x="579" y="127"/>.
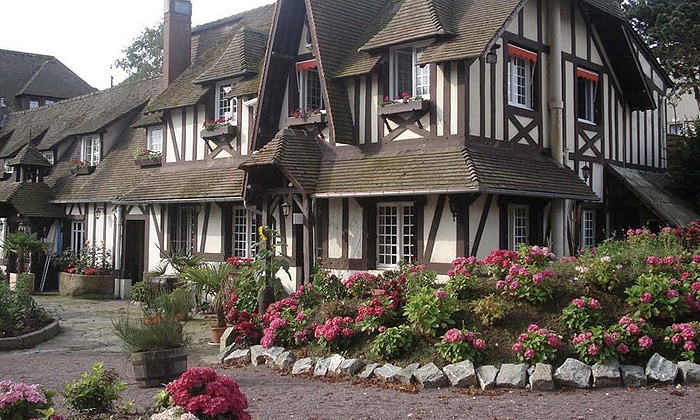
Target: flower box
<point x="217" y="133"/>
<point x="83" y="170"/>
<point x="307" y="120"/>
<point x="79" y="284"/>
<point x="401" y="107"/>
<point x="148" y="161"/>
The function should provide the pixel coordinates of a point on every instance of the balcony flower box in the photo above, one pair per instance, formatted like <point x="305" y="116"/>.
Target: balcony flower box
<point x="399" y="107"/>
<point x="82" y="170"/>
<point x="148" y="161"/>
<point x="308" y="119"/>
<point x="217" y="133"/>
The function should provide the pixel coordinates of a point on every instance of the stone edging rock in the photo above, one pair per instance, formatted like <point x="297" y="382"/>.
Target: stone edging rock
<point x="31" y="339"/>
<point x="572" y="373"/>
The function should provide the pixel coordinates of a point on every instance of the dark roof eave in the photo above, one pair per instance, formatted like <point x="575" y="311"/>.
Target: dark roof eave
<point x="458" y="190"/>
<point x="181" y="200"/>
<point x="437" y="37"/>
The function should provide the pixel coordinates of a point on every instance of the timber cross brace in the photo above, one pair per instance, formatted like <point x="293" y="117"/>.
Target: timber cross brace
<point x="405" y="122"/>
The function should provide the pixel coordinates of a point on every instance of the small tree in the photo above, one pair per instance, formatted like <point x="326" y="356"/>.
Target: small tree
<point x="23" y="244"/>
<point x="144" y="57"/>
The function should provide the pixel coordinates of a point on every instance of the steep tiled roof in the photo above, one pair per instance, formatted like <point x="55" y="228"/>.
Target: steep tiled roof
<point x="414" y="20"/>
<point x="29" y="155"/>
<point x="210" y="42"/>
<point x="653" y="189"/>
<point x="246" y="87"/>
<point x="217" y="180"/>
<point x="37" y="74"/>
<point x="296" y="151"/>
<point x="609" y="6"/>
<point x="29" y="199"/>
<point x="242" y="56"/>
<point x="83" y="114"/>
<point x="472" y="168"/>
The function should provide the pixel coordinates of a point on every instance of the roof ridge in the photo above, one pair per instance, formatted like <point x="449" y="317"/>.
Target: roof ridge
<point x="227" y="20"/>
<point x="34" y="75"/>
<point x="435" y="17"/>
<point x="26" y="53"/>
<point x="469" y="162"/>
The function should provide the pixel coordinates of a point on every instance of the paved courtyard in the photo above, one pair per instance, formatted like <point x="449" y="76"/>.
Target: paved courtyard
<point x="86" y="337"/>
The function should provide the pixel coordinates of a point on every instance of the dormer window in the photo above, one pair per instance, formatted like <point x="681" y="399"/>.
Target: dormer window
<point x="91" y="150"/>
<point x="310" y="96"/>
<point x="225" y="108"/>
<point x="48" y="155"/>
<point x="406" y="75"/>
<point x="154" y="139"/>
<point x="521" y="77"/>
<point x="587" y="100"/>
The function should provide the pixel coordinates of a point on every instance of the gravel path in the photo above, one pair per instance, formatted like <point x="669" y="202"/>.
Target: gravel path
<point x="87" y="338"/>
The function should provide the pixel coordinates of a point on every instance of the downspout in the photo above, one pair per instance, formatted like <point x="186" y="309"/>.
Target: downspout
<point x="556" y="111"/>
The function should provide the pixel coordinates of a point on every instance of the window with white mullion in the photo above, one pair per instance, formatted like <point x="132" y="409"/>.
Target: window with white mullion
<point x="224" y="107"/>
<point x="406" y="76"/>
<point x="90" y="150"/>
<point x="154" y="140"/>
<point x="519" y="225"/>
<point x="183" y="232"/>
<point x="403" y="72"/>
<point x="422" y="74"/>
<point x="408" y="234"/>
<point x="520" y="81"/>
<point x="77" y="236"/>
<point x="310" y="89"/>
<point x="588" y="229"/>
<point x="244" y="237"/>
<point x="395" y="233"/>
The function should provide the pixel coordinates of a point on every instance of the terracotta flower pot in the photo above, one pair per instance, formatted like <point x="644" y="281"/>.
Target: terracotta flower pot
<point x="216" y="333"/>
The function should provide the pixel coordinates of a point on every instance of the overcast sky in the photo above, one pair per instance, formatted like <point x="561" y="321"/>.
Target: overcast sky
<point x="89" y="35"/>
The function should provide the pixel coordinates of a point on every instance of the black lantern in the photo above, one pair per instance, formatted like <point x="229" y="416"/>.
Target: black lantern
<point x="492" y="56"/>
<point x="286" y="209"/>
<point x="586" y="172"/>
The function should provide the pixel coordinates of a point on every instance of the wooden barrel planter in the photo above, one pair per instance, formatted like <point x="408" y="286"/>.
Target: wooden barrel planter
<point x="152" y="369"/>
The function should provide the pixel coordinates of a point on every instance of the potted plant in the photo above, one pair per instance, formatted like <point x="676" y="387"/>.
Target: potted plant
<point x="217" y="128"/>
<point x="157" y="343"/>
<point x="81" y="167"/>
<point x="22" y="245"/>
<point x="146" y="157"/>
<point x="212" y="280"/>
<point x="88" y="272"/>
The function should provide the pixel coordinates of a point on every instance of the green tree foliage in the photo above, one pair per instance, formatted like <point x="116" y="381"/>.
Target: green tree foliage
<point x="684" y="166"/>
<point x="144" y="57"/>
<point x="672" y="29"/>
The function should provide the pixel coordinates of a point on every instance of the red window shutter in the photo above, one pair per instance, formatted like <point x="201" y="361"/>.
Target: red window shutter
<point x="587" y="74"/>
<point x="514" y="51"/>
<point x="305" y="65"/>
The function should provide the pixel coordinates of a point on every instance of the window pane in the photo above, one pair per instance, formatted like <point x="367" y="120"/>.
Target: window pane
<point x="408" y="234"/>
<point x="77" y="238"/>
<point x="422" y="76"/>
<point x="155" y="139"/>
<point x="242" y="238"/>
<point x="519" y="223"/>
<point x="313" y="90"/>
<point x="183" y="232"/>
<point x="586" y="90"/>
<point x="588" y="229"/>
<point x="403" y="72"/>
<point x="223" y="105"/>
<point x="387" y="238"/>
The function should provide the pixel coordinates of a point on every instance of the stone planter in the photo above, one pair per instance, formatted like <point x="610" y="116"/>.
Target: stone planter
<point x="218" y="133"/>
<point x="418" y="105"/>
<point x="149" y="161"/>
<point x="308" y="120"/>
<point x="78" y="285"/>
<point x="85" y="170"/>
<point x="28" y="277"/>
<point x="152" y="369"/>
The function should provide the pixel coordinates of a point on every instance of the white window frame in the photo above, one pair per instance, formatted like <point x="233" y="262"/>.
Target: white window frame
<point x="224" y="108"/>
<point x="49" y="156"/>
<point x="590" y="91"/>
<point x="91" y="149"/>
<point x="34" y="103"/>
<point x="588" y="228"/>
<point x="518" y="232"/>
<point x="244" y="235"/>
<point x="77" y="236"/>
<point x="303" y="82"/>
<point x="402" y="237"/>
<point x="418" y="72"/>
<point x="7" y="168"/>
<point x="153" y="142"/>
<point x="521" y="94"/>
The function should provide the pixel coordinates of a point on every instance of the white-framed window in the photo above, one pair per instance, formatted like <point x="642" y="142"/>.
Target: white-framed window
<point x="587" y="89"/>
<point x="521" y="77"/>
<point x="183" y="229"/>
<point x="33" y="103"/>
<point x="7" y="168"/>
<point x="48" y="155"/>
<point x="406" y="76"/>
<point x="90" y="150"/>
<point x="154" y="138"/>
<point x="77" y="236"/>
<point x="518" y="225"/>
<point x="396" y="233"/>
<point x="588" y="228"/>
<point x="309" y="82"/>
<point x="49" y="102"/>
<point x="224" y="107"/>
<point x="244" y="233"/>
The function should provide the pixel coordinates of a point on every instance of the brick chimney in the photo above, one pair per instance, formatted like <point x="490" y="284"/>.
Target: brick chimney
<point x="177" y="42"/>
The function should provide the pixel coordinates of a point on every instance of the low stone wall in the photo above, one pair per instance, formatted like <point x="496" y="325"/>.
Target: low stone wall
<point x="30" y="340"/>
<point x="542" y="377"/>
<point x="79" y="285"/>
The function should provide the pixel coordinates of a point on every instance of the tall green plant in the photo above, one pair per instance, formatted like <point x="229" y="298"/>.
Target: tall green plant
<point x="23" y="244"/>
<point x="212" y="279"/>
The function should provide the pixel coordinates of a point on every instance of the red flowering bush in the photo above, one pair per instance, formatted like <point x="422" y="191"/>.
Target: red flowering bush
<point x="684" y="339"/>
<point x="208" y="395"/>
<point x="238" y="261"/>
<point x="361" y="284"/>
<point x="246" y="325"/>
<point x="285" y="321"/>
<point x="499" y="262"/>
<point x="463" y="276"/>
<point x="582" y="313"/>
<point x="458" y="345"/>
<point x="335" y="333"/>
<point x="373" y="314"/>
<point x="537" y="345"/>
<point x="627" y="337"/>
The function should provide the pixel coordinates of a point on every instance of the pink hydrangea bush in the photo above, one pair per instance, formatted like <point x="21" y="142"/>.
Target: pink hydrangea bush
<point x="684" y="339"/>
<point x="537" y="345"/>
<point x="336" y="333"/>
<point x="499" y="261"/>
<point x="208" y="395"/>
<point x="583" y="312"/>
<point x="666" y="295"/>
<point x="464" y="276"/>
<point x="247" y="326"/>
<point x="285" y="322"/>
<point x="361" y="284"/>
<point x="373" y="314"/>
<point x="459" y="345"/>
<point x="19" y="401"/>
<point x="626" y="338"/>
<point x="526" y="274"/>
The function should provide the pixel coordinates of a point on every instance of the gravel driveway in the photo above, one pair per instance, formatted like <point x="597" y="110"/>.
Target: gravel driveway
<point x="87" y="338"/>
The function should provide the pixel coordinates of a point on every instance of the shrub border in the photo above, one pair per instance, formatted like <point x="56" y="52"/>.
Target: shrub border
<point x="31" y="339"/>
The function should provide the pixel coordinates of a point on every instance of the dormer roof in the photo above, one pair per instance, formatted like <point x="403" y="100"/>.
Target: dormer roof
<point x="241" y="58"/>
<point x="29" y="156"/>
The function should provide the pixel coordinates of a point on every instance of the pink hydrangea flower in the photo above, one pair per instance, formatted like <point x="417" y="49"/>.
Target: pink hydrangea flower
<point x="622" y="348"/>
<point x="593" y="349"/>
<point x="441" y="294"/>
<point x="645" y="298"/>
<point x="530" y="353"/>
<point x="453" y="335"/>
<point x="645" y="342"/>
<point x="671" y="293"/>
<point x="689" y="346"/>
<point x="633" y="329"/>
<point x="579" y="303"/>
<point x="517" y="348"/>
<point x="479" y="344"/>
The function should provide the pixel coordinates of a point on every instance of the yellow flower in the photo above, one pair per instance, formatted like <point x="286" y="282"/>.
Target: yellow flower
<point x="261" y="233"/>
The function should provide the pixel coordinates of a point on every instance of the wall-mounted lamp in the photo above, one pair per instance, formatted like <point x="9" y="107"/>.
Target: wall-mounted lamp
<point x="492" y="56"/>
<point x="98" y="213"/>
<point x="586" y="172"/>
<point x="286" y="209"/>
<point x="454" y="207"/>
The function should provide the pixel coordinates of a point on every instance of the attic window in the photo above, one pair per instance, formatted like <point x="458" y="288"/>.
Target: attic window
<point x="90" y="149"/>
<point x="521" y="77"/>
<point x="48" y="155"/>
<point x="587" y="100"/>
<point x="406" y="76"/>
<point x="225" y="108"/>
<point x="310" y="96"/>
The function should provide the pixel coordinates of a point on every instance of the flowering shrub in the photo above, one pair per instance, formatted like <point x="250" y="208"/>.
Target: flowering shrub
<point x="415" y="277"/>
<point x="201" y="391"/>
<point x="428" y="311"/>
<point x="581" y="313"/>
<point x="92" y="260"/>
<point x="328" y="285"/>
<point x="79" y="164"/>
<point x="211" y="125"/>
<point x="285" y="321"/>
<point x="599" y="345"/>
<point x="537" y="345"/>
<point x="599" y="269"/>
<point x="392" y="342"/>
<point x="689" y="235"/>
<point x="20" y="401"/>
<point x="524" y="274"/>
<point x="246" y="325"/>
<point x="335" y="333"/>
<point x="96" y="392"/>
<point x="499" y="261"/>
<point x="305" y="113"/>
<point x="360" y="284"/>
<point x="490" y="309"/>
<point x="684" y="339"/>
<point x="659" y="295"/>
<point x="373" y="314"/>
<point x="458" y="345"/>
<point x="19" y="313"/>
<point x="463" y="276"/>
